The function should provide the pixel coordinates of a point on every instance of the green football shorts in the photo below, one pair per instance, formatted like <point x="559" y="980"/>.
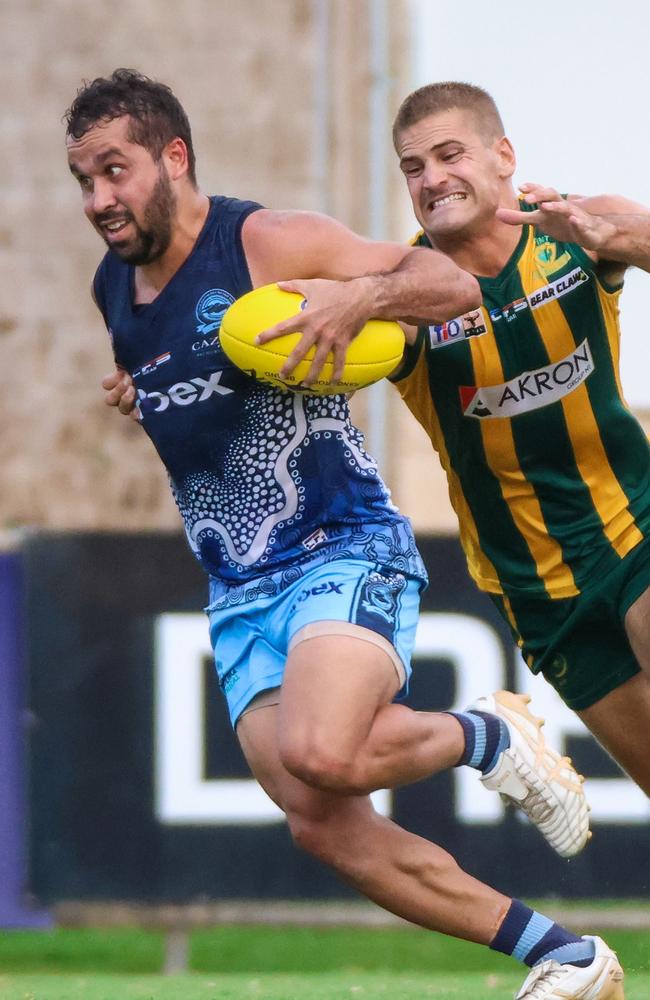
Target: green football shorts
<point x="579" y="644"/>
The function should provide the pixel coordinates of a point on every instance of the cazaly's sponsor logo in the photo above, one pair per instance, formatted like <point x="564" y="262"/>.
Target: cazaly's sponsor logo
<point x="182" y="394"/>
<point x="209" y="345"/>
<point x="530" y="390"/>
<point x="471" y="324"/>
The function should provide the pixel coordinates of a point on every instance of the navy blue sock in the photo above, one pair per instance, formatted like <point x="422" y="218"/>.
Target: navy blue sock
<point x="533" y="938"/>
<point x="486" y="736"/>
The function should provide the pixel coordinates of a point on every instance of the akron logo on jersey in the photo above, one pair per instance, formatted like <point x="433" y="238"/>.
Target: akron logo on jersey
<point x="530" y="390"/>
<point x="472" y="324"/>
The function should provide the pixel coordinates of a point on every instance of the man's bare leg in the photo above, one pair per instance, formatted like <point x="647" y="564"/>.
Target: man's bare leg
<point x="333" y="710"/>
<point x="403" y="873"/>
<point x="637" y="626"/>
<point x="621" y="720"/>
<point x="338" y="729"/>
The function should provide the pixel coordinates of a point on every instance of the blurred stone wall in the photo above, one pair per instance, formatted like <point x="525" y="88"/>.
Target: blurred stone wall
<point x="246" y="73"/>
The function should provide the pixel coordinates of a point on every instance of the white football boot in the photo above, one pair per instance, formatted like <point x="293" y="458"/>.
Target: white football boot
<point x="602" y="980"/>
<point x="535" y="778"/>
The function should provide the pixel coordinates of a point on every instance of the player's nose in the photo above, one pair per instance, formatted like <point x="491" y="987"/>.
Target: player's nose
<point x="103" y="196"/>
<point x="435" y="174"/>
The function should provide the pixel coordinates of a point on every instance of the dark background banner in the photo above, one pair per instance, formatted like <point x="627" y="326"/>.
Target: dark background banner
<point x="110" y="620"/>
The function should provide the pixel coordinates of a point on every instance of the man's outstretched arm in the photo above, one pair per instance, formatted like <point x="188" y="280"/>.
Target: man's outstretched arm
<point x="348" y="280"/>
<point x="610" y="227"/>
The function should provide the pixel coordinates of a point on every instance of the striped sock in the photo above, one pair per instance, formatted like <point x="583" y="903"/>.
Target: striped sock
<point x="534" y="938"/>
<point x="486" y="736"/>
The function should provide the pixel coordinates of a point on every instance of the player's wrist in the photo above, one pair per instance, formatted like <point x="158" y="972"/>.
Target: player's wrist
<point x="607" y="236"/>
<point x="368" y="296"/>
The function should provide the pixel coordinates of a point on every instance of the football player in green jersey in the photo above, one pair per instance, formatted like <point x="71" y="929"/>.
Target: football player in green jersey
<point x="548" y="470"/>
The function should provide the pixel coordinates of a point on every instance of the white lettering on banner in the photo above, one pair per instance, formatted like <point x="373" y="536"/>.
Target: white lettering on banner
<point x="183" y="795"/>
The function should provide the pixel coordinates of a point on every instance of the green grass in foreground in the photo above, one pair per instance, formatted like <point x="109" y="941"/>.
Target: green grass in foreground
<point x="233" y="949"/>
<point x="309" y="986"/>
<point x="275" y="963"/>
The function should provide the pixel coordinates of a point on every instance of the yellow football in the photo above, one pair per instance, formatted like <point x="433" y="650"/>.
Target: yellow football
<point x="372" y="355"/>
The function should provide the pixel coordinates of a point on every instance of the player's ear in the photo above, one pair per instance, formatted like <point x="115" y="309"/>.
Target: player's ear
<point x="176" y="158"/>
<point x="506" y="157"/>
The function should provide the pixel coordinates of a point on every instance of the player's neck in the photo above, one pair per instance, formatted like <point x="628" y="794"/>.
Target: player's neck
<point x="150" y="279"/>
<point x="486" y="252"/>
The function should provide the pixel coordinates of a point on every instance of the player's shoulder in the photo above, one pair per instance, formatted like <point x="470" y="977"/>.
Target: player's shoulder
<point x="271" y="222"/>
<point x="223" y="204"/>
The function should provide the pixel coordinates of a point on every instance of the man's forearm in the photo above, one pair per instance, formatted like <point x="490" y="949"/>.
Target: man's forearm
<point x="426" y="287"/>
<point x="626" y="240"/>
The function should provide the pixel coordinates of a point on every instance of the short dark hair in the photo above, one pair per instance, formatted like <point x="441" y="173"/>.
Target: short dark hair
<point x="436" y="97"/>
<point x="156" y="115"/>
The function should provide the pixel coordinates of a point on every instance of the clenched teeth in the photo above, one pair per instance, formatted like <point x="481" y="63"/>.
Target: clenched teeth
<point x="459" y="196"/>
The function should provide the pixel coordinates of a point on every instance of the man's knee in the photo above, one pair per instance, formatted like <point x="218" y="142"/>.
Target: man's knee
<point x="322" y="766"/>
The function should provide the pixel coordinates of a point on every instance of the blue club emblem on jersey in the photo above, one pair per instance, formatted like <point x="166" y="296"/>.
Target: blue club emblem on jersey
<point x="210" y="309"/>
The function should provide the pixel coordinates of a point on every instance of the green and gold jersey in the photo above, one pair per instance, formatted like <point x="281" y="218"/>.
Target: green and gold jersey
<point x="548" y="471"/>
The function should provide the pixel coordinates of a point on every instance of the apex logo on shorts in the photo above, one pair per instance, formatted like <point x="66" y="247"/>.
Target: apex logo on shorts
<point x="197" y="390"/>
<point x="329" y="587"/>
<point x="471" y="324"/>
<point x="530" y="390"/>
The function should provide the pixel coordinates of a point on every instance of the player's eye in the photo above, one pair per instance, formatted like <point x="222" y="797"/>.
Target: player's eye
<point x="411" y="169"/>
<point x="114" y="170"/>
<point x="85" y="183"/>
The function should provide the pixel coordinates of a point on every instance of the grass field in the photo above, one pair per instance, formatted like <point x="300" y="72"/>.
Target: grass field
<point x="275" y="963"/>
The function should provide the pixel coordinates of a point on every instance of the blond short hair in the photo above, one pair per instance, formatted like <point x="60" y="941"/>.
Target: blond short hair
<point x="436" y="97"/>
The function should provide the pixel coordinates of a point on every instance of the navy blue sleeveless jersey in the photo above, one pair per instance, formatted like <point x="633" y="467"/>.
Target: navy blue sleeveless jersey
<point x="264" y="479"/>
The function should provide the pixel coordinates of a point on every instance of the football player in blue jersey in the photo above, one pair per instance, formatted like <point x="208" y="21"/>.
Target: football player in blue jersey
<point x="314" y="576"/>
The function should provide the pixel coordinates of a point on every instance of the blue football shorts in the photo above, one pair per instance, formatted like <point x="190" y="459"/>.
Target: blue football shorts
<point x="253" y="626"/>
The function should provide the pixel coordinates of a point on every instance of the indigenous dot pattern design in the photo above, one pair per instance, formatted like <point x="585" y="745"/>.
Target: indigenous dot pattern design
<point x="260" y="491"/>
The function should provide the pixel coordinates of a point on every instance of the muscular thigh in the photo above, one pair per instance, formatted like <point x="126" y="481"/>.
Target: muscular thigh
<point x="333" y="687"/>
